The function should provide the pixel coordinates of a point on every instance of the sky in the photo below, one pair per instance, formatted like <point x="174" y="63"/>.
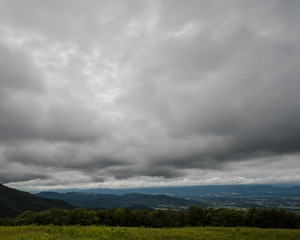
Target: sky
<point x="140" y="93"/>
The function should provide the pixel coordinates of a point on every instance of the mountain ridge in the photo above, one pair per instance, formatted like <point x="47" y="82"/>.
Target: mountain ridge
<point x="101" y="201"/>
<point x="14" y="202"/>
<point x="197" y="191"/>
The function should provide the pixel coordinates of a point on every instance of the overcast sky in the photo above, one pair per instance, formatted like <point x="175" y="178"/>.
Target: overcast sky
<point x="149" y="93"/>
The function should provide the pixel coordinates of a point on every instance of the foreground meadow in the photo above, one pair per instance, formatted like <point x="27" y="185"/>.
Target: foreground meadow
<point x="94" y="232"/>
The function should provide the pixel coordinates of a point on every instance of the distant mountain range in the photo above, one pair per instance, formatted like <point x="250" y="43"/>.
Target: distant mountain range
<point x="131" y="200"/>
<point x="14" y="202"/>
<point x="175" y="197"/>
<point x="200" y="191"/>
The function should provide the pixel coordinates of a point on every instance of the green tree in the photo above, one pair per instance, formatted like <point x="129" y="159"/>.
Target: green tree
<point x="195" y="216"/>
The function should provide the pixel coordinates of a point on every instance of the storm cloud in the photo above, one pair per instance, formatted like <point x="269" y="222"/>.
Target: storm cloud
<point x="125" y="93"/>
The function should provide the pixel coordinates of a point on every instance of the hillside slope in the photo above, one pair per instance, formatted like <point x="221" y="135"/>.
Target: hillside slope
<point x="14" y="202"/>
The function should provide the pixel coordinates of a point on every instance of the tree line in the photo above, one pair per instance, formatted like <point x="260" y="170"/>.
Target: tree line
<point x="194" y="216"/>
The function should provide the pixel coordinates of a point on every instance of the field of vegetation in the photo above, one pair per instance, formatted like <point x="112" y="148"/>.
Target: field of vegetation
<point x="95" y="232"/>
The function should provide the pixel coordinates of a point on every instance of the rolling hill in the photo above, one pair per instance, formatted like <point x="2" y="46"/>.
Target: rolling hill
<point x="14" y="202"/>
<point x="131" y="200"/>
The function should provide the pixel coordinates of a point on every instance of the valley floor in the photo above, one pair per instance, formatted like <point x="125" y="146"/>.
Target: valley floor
<point x="111" y="233"/>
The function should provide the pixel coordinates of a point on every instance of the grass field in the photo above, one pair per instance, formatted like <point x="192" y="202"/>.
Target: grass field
<point x="94" y="232"/>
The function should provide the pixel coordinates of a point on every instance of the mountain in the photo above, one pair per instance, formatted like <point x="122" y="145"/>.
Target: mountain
<point x="200" y="191"/>
<point x="132" y="200"/>
<point x="14" y="202"/>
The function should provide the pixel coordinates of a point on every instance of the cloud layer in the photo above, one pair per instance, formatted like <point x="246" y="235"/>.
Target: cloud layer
<point x="149" y="92"/>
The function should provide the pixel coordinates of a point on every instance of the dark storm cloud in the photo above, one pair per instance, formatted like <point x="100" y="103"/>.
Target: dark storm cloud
<point x="59" y="155"/>
<point x="242" y="84"/>
<point x="7" y="177"/>
<point x="147" y="88"/>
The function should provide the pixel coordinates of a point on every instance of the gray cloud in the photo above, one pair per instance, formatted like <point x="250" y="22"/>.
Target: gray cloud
<point x="142" y="89"/>
<point x="17" y="73"/>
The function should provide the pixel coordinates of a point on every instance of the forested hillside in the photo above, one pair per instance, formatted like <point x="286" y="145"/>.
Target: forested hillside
<point x="14" y="202"/>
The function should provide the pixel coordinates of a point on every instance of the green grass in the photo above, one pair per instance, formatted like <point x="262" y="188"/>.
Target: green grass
<point x="111" y="233"/>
